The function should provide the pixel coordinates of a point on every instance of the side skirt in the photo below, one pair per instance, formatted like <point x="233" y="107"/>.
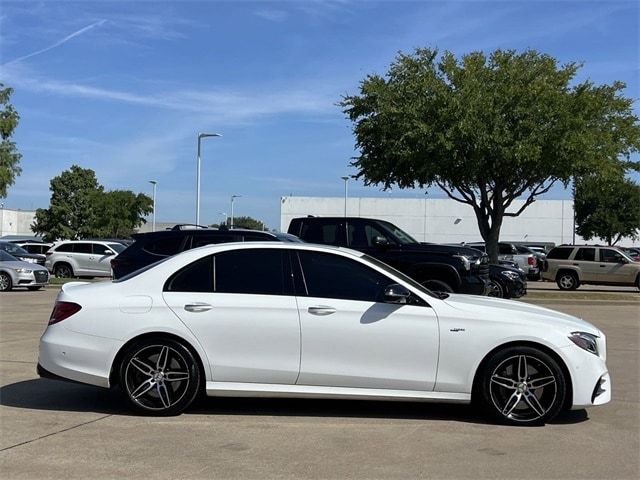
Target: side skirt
<point x="228" y="389"/>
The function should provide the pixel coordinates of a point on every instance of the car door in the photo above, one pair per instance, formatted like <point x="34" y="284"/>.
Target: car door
<point x="585" y="259"/>
<point x="351" y="338"/>
<point x="245" y="314"/>
<point x="83" y="256"/>
<point x="101" y="259"/>
<point x="614" y="267"/>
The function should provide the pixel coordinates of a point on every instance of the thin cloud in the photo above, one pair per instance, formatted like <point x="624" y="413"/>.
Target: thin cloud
<point x="58" y="43"/>
<point x="272" y="15"/>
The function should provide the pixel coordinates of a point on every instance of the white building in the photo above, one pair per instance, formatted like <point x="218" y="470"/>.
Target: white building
<point x="443" y="220"/>
<point x="16" y="222"/>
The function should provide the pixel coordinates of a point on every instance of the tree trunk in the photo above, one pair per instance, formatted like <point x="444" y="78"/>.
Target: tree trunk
<point x="489" y="226"/>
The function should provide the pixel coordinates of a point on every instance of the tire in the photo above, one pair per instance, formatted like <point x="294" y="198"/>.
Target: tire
<point x="437" y="286"/>
<point x="567" y="280"/>
<point x="159" y="376"/>
<point x="522" y="386"/>
<point x="62" y="270"/>
<point x="5" y="282"/>
<point x="33" y="289"/>
<point x="495" y="289"/>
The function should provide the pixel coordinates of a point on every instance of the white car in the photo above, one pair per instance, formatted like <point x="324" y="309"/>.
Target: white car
<point x="80" y="258"/>
<point x="300" y="320"/>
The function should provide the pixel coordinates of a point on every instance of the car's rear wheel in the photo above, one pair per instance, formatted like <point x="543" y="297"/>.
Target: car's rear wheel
<point x="159" y="376"/>
<point x="63" y="270"/>
<point x="495" y="289"/>
<point x="567" y="281"/>
<point x="5" y="282"/>
<point x="523" y="386"/>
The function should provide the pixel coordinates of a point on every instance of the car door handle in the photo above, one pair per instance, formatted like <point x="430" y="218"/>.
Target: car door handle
<point x="321" y="310"/>
<point x="575" y="264"/>
<point x="197" y="307"/>
<point x="603" y="266"/>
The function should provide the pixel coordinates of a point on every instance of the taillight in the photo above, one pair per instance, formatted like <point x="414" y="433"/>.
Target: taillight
<point x="531" y="260"/>
<point x="63" y="310"/>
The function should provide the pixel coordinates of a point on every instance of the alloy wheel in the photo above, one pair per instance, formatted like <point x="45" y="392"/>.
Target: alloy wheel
<point x="63" y="271"/>
<point x="157" y="377"/>
<point x="5" y="282"/>
<point x="523" y="388"/>
<point x="495" y="290"/>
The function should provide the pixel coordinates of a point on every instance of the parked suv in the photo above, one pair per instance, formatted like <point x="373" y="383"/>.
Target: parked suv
<point x="438" y="267"/>
<point x="572" y="265"/>
<point x="34" y="247"/>
<point x="82" y="258"/>
<point x="151" y="247"/>
<point x="526" y="260"/>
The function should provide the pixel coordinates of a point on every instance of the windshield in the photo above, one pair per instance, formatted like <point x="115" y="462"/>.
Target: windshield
<point x="403" y="237"/>
<point x="13" y="249"/>
<point x="5" y="257"/>
<point x="118" y="247"/>
<point x="400" y="275"/>
<point x="287" y="237"/>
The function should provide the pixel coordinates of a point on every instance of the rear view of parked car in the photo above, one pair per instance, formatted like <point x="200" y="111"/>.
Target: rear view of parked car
<point x="35" y="247"/>
<point x="21" y="254"/>
<point x="82" y="258"/>
<point x="17" y="273"/>
<point x="572" y="265"/>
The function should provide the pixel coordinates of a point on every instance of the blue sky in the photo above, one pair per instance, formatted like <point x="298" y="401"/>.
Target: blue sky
<point x="124" y="87"/>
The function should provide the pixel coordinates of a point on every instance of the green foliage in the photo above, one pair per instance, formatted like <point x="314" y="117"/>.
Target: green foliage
<point x="607" y="208"/>
<point x="80" y="208"/>
<point x="242" y="222"/>
<point x="488" y="130"/>
<point x="9" y="156"/>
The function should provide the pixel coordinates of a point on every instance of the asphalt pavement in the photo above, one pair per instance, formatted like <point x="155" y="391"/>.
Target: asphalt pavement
<point x="53" y="429"/>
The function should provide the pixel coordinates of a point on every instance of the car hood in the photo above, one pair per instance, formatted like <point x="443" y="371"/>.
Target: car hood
<point x="30" y="266"/>
<point x="521" y="311"/>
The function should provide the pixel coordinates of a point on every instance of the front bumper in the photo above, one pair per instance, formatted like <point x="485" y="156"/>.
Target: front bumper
<point x="31" y="279"/>
<point x="590" y="378"/>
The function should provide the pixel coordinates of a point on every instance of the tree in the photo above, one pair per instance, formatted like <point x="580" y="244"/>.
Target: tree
<point x="119" y="212"/>
<point x="488" y="130"/>
<point x="72" y="210"/>
<point x="243" y="222"/>
<point x="9" y="156"/>
<point x="607" y="208"/>
<point x="80" y="208"/>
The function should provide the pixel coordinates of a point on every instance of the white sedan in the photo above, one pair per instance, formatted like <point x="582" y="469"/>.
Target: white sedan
<point x="274" y="319"/>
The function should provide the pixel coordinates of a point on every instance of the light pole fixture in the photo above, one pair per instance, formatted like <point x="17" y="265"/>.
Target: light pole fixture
<point x="153" y="224"/>
<point x="233" y="197"/>
<point x="200" y="137"/>
<point x="346" y="181"/>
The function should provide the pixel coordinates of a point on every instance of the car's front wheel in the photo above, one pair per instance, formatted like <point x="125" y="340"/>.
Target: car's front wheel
<point x="5" y="282"/>
<point x="159" y="376"/>
<point x="567" y="281"/>
<point x="523" y="386"/>
<point x="495" y="289"/>
<point x="62" y="270"/>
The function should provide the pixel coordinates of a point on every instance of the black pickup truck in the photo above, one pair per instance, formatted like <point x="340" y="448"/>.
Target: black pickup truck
<point x="438" y="267"/>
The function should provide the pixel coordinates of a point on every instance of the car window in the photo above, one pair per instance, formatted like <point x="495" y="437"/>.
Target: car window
<point x="258" y="237"/>
<point x="316" y="232"/>
<point x="82" y="248"/>
<point x="333" y="276"/>
<point x="202" y="240"/>
<point x="506" y="249"/>
<point x="586" y="254"/>
<point x="12" y="248"/>
<point x="610" y="256"/>
<point x="560" y="253"/>
<point x="5" y="257"/>
<point x="259" y="271"/>
<point x="117" y="247"/>
<point x="398" y="234"/>
<point x="362" y="235"/>
<point x="195" y="277"/>
<point x="65" y="247"/>
<point x="165" y="246"/>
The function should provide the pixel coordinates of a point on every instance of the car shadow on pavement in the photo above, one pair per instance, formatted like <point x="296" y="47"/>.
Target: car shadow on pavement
<point x="44" y="394"/>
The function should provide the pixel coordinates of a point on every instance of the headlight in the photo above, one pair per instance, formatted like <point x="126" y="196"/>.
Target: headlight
<point x="510" y="275"/>
<point x="22" y="270"/>
<point x="465" y="261"/>
<point x="28" y="260"/>
<point x="586" y="341"/>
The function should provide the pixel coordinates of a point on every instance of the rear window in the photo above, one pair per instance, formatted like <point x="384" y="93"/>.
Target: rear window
<point x="83" y="248"/>
<point x="560" y="253"/>
<point x="165" y="246"/>
<point x="586" y="254"/>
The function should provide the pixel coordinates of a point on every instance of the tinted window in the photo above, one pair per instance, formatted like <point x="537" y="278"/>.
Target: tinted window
<point x="65" y="247"/>
<point x="82" y="248"/>
<point x="99" y="249"/>
<point x="258" y="237"/>
<point x="165" y="246"/>
<point x="506" y="249"/>
<point x="586" y="254"/>
<point x="333" y="276"/>
<point x="560" y="253"/>
<point x="316" y="232"/>
<point x="610" y="256"/>
<point x="195" y="277"/>
<point x="362" y="235"/>
<point x="118" y="247"/>
<point x="202" y="240"/>
<point x="256" y="271"/>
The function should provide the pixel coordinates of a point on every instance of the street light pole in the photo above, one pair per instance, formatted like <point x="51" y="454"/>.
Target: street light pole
<point x="225" y="217"/>
<point x="346" y="180"/>
<point x="200" y="137"/>
<point x="153" y="224"/>
<point x="233" y="197"/>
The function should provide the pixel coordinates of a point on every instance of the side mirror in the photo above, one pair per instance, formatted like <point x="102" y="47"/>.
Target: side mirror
<point x="379" y="241"/>
<point x="108" y="252"/>
<point x="396" y="293"/>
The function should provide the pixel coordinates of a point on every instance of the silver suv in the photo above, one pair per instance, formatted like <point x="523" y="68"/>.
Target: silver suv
<point x="82" y="258"/>
<point x="572" y="265"/>
<point x="527" y="261"/>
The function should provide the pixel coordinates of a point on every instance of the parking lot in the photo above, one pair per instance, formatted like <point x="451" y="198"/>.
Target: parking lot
<point x="55" y="429"/>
